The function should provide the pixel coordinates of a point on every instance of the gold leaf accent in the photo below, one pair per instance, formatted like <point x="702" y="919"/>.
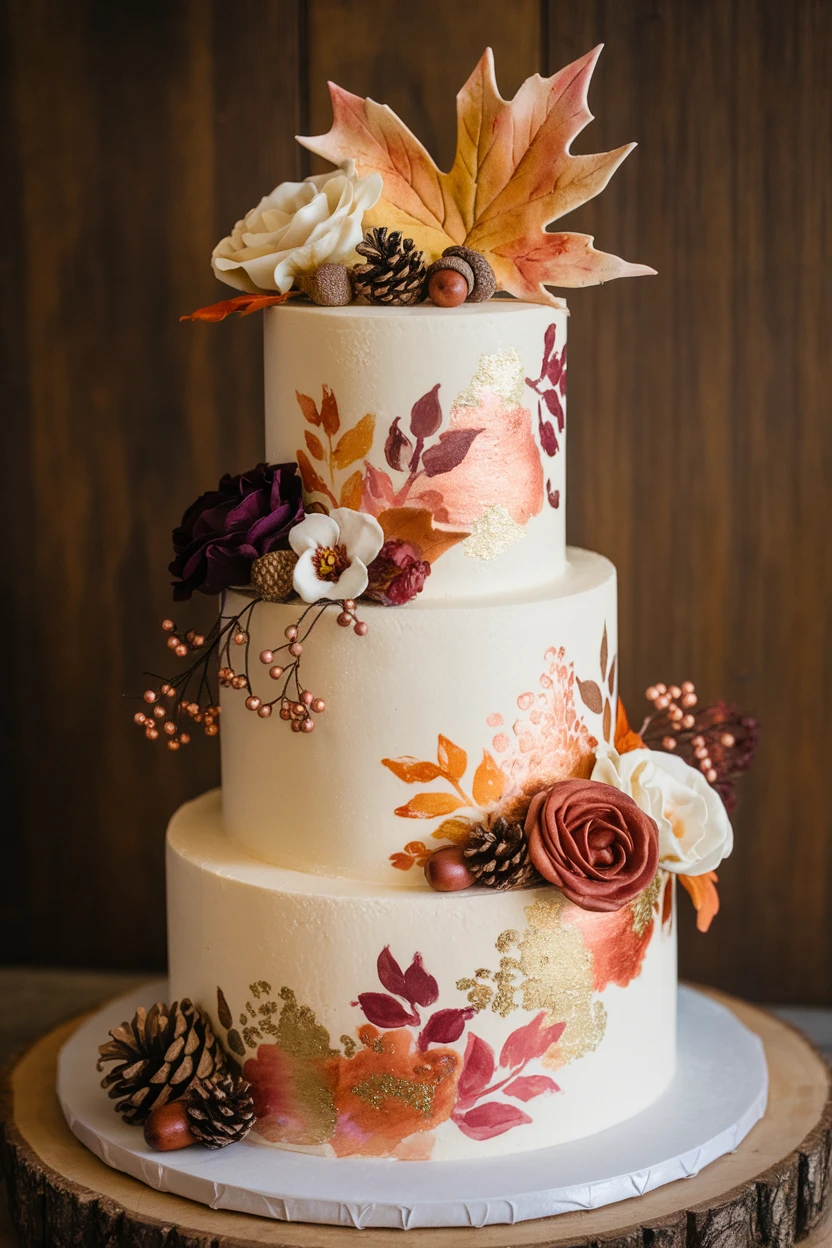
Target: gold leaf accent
<point x="501" y="374"/>
<point x="645" y="904"/>
<point x="493" y="534"/>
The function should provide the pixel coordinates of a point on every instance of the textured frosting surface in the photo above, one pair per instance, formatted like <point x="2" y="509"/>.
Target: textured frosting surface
<point x="516" y="684"/>
<point x="372" y="364"/>
<point x="524" y="1021"/>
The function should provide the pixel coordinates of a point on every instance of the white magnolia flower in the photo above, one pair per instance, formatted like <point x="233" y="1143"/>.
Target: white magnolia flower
<point x="297" y="228"/>
<point x="695" y="832"/>
<point x="334" y="552"/>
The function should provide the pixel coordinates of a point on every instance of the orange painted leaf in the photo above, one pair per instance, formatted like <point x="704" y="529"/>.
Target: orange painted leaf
<point x="489" y="781"/>
<point x="309" y="408"/>
<point x="355" y="443"/>
<point x="243" y="305"/>
<point x="402" y="862"/>
<point x="312" y="482"/>
<point x="704" y="895"/>
<point x="625" y="738"/>
<point x="416" y="848"/>
<point x="330" y="419"/>
<point x="454" y="830"/>
<point x="429" y="806"/>
<point x="513" y="175"/>
<point x="412" y="770"/>
<point x="314" y="444"/>
<point x="452" y="758"/>
<point x="415" y="525"/>
<point x="352" y="490"/>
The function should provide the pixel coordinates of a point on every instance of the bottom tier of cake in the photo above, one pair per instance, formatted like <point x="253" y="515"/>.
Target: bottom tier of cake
<point x="389" y="1022"/>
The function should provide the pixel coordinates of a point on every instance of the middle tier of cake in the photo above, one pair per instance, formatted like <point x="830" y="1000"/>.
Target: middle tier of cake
<point x="442" y="715"/>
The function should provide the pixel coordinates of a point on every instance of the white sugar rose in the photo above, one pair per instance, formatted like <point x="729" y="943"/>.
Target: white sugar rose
<point x="296" y="229"/>
<point x="334" y="553"/>
<point x="695" y="832"/>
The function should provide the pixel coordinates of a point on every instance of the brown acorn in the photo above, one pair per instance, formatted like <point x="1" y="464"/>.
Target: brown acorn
<point x="168" y="1128"/>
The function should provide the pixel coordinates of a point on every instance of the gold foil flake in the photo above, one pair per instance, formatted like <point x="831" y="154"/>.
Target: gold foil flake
<point x="251" y="1036"/>
<point x="251" y="1010"/>
<point x="377" y="1089"/>
<point x="243" y="1020"/>
<point x="492" y="534"/>
<point x="260" y="989"/>
<point x="506" y="939"/>
<point x="350" y="1046"/>
<point x="298" y="1030"/>
<point x="645" y="904"/>
<point x="501" y="374"/>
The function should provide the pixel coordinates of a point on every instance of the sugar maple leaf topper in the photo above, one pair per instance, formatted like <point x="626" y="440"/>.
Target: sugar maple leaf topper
<point x="513" y="175"/>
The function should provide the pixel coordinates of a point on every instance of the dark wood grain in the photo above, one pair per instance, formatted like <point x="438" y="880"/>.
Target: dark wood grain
<point x="700" y="430"/>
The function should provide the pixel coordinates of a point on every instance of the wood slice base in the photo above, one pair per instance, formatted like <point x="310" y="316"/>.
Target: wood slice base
<point x="770" y="1193"/>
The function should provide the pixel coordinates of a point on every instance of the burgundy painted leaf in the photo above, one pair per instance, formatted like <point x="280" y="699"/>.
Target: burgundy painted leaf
<point x="477" y="1069"/>
<point x="548" y="346"/>
<point x="554" y="368"/>
<point x="444" y="1027"/>
<point x="552" y="495"/>
<point x="484" y="1122"/>
<point x="552" y="401"/>
<point x="530" y="1041"/>
<point x="548" y="439"/>
<point x="419" y="987"/>
<point x="562" y="382"/>
<point x="449" y="451"/>
<point x="384" y="1011"/>
<point x="390" y="973"/>
<point x="591" y="696"/>
<point x="527" y="1087"/>
<point x="426" y="414"/>
<point x="395" y="446"/>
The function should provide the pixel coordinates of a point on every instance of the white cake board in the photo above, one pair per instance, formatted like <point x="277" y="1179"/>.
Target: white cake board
<point x="718" y="1093"/>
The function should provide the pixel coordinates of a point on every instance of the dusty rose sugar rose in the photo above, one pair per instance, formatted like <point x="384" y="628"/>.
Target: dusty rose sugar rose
<point x="225" y="530"/>
<point x="593" y="842"/>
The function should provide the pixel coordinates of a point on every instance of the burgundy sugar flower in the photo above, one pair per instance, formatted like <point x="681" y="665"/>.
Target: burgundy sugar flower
<point x="225" y="530"/>
<point x="397" y="574"/>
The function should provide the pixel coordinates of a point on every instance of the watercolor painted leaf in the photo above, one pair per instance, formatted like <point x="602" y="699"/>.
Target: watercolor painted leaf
<point x="611" y="677"/>
<point x="527" y="1087"/>
<point x="477" y="1069"/>
<point x="312" y="482"/>
<point x="484" y="1122"/>
<point x="548" y="347"/>
<point x="352" y="490"/>
<point x="555" y="407"/>
<point x="243" y="305"/>
<point x="606" y="725"/>
<point x="384" y="1011"/>
<point x="416" y="848"/>
<point x="420" y="988"/>
<point x="704" y="895"/>
<point x="530" y="1041"/>
<point x="412" y="770"/>
<point x="552" y="495"/>
<point x="355" y="443"/>
<point x="625" y="738"/>
<point x="449" y="452"/>
<point x="489" y="781"/>
<point x="314" y="445"/>
<point x="415" y="525"/>
<point x="444" y="1027"/>
<point x="402" y="862"/>
<point x="451" y="758"/>
<point x="426" y="414"/>
<point x="390" y="974"/>
<point x="513" y="174"/>
<point x="667" y="902"/>
<point x="429" y="806"/>
<point x="330" y="419"/>
<point x="454" y="830"/>
<point x="378" y="491"/>
<point x="546" y="430"/>
<point x="604" y="653"/>
<point x="309" y="408"/>
<point x="591" y="696"/>
<point x="396" y="445"/>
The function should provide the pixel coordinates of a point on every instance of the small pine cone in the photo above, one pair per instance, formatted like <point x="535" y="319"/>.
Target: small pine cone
<point x="395" y="271"/>
<point x="271" y="575"/>
<point x="220" y="1112"/>
<point x="497" y="855"/>
<point x="159" y="1056"/>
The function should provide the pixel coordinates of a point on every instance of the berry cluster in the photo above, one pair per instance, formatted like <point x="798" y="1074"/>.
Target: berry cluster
<point x="718" y="739"/>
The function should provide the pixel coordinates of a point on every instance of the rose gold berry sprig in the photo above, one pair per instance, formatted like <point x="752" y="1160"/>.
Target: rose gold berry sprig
<point x="718" y="739"/>
<point x="172" y="701"/>
<point x="295" y="704"/>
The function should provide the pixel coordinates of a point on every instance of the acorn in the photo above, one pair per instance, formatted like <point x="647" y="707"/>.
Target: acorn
<point x="455" y="265"/>
<point x="446" y="871"/>
<point x="329" y="286"/>
<point x="168" y="1128"/>
<point x="485" y="283"/>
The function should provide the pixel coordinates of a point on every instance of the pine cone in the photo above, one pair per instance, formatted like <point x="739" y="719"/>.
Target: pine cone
<point x="159" y="1056"/>
<point x="221" y="1111"/>
<point x="497" y="855"/>
<point x="271" y="575"/>
<point x="395" y="271"/>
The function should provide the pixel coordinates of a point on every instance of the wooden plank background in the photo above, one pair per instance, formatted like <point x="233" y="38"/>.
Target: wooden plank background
<point x="700" y="436"/>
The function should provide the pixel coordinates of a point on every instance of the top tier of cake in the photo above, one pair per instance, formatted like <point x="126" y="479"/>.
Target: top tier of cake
<point x="454" y="412"/>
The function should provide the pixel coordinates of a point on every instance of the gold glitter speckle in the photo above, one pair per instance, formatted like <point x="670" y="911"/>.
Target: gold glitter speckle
<point x="492" y="534"/>
<point x="500" y="374"/>
<point x="379" y="1088"/>
<point x="644" y="905"/>
<point x="349" y="1046"/>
